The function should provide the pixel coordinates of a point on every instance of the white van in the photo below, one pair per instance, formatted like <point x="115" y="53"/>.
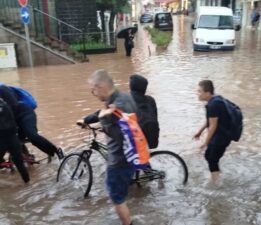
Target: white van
<point x="214" y="29"/>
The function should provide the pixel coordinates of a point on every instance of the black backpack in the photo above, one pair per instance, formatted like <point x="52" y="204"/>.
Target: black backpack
<point x="236" y="116"/>
<point x="7" y="120"/>
<point x="148" y="121"/>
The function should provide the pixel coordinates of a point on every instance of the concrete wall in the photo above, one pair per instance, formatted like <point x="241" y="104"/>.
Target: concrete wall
<point x="40" y="56"/>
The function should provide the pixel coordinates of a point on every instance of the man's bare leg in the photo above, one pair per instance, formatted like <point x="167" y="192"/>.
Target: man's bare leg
<point x="215" y="177"/>
<point x="124" y="213"/>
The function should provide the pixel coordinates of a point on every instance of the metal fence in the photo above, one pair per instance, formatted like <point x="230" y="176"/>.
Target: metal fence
<point x="45" y="27"/>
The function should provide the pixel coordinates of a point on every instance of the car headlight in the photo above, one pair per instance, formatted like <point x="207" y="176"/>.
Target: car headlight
<point x="199" y="40"/>
<point x="232" y="41"/>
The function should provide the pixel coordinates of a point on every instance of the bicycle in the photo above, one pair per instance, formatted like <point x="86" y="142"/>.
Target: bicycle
<point x="77" y="167"/>
<point x="28" y="158"/>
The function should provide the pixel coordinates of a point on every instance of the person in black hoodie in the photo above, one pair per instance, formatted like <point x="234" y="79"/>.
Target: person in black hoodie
<point x="26" y="120"/>
<point x="147" y="109"/>
<point x="9" y="140"/>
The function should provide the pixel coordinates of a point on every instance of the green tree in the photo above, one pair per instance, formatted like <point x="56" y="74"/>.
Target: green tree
<point x="114" y="6"/>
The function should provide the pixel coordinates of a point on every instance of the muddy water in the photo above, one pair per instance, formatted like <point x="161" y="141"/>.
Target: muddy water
<point x="173" y="73"/>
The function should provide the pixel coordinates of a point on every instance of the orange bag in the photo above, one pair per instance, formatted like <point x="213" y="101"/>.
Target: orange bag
<point x="135" y="145"/>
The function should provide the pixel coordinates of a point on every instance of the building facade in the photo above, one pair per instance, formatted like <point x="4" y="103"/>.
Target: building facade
<point x="81" y="14"/>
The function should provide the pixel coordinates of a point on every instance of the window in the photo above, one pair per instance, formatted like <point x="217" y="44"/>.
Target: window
<point x="3" y="52"/>
<point x="162" y="17"/>
<point x="215" y="22"/>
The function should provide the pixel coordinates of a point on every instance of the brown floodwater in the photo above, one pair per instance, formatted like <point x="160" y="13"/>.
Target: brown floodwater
<point x="173" y="73"/>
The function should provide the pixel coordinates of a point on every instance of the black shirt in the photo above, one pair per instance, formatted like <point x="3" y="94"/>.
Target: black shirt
<point x="216" y="108"/>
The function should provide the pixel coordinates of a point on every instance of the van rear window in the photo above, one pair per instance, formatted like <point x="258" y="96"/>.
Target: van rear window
<point x="216" y="22"/>
<point x="163" y="16"/>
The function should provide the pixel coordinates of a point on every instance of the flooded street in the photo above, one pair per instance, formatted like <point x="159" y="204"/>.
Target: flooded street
<point x="173" y="73"/>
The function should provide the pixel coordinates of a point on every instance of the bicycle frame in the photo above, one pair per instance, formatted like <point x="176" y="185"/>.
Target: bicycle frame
<point x="140" y="177"/>
<point x="99" y="147"/>
<point x="86" y="154"/>
<point x="10" y="165"/>
<point x="150" y="174"/>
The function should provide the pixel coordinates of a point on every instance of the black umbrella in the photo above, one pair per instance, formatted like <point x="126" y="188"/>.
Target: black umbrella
<point x="124" y="32"/>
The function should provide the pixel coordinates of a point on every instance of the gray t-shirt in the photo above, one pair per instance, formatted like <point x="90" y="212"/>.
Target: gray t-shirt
<point x="124" y="102"/>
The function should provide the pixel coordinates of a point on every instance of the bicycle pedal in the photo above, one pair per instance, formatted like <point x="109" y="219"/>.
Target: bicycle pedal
<point x="6" y="165"/>
<point x="29" y="158"/>
<point x="33" y="162"/>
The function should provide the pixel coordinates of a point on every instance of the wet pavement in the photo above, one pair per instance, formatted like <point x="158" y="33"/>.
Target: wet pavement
<point x="173" y="73"/>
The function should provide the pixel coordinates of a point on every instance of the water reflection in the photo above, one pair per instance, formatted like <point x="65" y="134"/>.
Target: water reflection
<point x="173" y="73"/>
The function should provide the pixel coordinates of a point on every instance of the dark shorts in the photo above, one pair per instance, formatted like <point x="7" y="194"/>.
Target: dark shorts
<point x="117" y="182"/>
<point x="213" y="155"/>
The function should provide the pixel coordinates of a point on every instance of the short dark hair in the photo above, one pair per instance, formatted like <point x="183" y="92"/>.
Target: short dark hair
<point x="207" y="86"/>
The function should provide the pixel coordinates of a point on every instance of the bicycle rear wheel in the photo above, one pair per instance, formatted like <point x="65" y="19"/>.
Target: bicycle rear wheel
<point x="76" y="172"/>
<point x="168" y="172"/>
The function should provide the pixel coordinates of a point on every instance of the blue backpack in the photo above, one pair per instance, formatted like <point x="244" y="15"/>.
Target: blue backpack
<point x="24" y="97"/>
<point x="256" y="17"/>
<point x="236" y="116"/>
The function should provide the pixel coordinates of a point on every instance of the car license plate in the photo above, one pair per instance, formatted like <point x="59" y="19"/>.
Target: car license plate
<point x="163" y="24"/>
<point x="215" y="46"/>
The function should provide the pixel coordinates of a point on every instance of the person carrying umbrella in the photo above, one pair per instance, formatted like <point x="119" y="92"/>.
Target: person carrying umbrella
<point x="128" y="35"/>
<point x="129" y="44"/>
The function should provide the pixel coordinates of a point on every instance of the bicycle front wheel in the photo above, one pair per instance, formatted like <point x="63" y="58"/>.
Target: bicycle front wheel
<point x="76" y="172"/>
<point x="168" y="171"/>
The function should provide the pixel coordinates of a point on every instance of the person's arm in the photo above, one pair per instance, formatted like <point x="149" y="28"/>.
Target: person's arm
<point x="109" y="124"/>
<point x="92" y="118"/>
<point x="109" y="121"/>
<point x="198" y="134"/>
<point x="213" y="122"/>
<point x="213" y="115"/>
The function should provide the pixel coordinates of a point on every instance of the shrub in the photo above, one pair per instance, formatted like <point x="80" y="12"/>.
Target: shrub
<point x="160" y="38"/>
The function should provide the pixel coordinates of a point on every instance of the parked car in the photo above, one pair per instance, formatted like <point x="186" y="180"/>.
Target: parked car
<point x="163" y="21"/>
<point x="237" y="17"/>
<point x="214" y="29"/>
<point x="146" y="18"/>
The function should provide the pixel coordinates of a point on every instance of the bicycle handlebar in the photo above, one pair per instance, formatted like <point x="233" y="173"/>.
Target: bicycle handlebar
<point x="88" y="126"/>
